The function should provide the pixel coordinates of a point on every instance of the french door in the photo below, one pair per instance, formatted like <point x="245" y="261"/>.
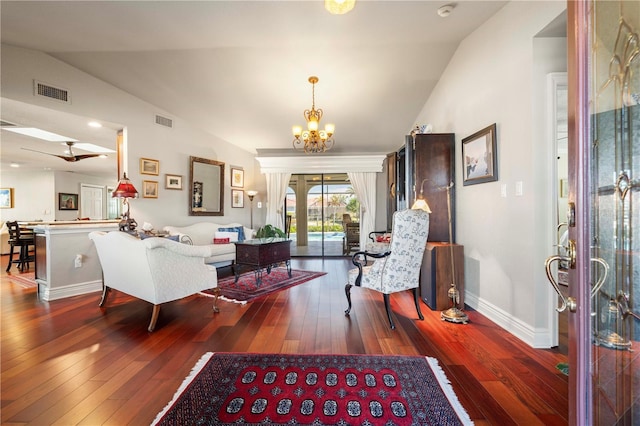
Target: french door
<point x="317" y="204"/>
<point x="604" y="226"/>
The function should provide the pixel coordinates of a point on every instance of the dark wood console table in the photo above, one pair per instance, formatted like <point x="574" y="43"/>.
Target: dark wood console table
<point x="262" y="254"/>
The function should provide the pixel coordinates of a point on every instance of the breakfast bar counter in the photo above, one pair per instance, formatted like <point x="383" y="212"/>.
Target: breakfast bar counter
<point x="66" y="260"/>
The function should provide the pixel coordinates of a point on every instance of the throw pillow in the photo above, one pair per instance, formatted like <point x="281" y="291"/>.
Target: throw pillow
<point x="237" y="229"/>
<point x="221" y="241"/>
<point x="144" y="235"/>
<point x="232" y="236"/>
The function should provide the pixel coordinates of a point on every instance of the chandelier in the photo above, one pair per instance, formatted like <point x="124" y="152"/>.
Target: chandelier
<point x="313" y="140"/>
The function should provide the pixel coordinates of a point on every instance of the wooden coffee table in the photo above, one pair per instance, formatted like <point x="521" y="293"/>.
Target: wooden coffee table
<point x="261" y="254"/>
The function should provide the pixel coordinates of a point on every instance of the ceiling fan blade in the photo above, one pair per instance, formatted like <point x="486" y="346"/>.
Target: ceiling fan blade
<point x="47" y="153"/>
<point x="69" y="158"/>
<point x="83" y="156"/>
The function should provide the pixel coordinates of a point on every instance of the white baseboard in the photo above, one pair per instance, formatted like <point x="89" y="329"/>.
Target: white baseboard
<point x="62" y="292"/>
<point x="535" y="337"/>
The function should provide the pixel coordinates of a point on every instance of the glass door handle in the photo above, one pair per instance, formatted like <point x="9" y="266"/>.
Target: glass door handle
<point x="569" y="302"/>
<point x="603" y="277"/>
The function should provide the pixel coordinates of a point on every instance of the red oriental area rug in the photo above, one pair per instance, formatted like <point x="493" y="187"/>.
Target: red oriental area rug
<point x="289" y="389"/>
<point x="246" y="290"/>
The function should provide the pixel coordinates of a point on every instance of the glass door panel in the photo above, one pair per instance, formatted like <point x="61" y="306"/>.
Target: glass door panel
<point x="615" y="246"/>
<point x="604" y="158"/>
<point x="320" y="204"/>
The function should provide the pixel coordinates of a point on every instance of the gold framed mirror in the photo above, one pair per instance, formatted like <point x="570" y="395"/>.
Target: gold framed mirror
<point x="206" y="183"/>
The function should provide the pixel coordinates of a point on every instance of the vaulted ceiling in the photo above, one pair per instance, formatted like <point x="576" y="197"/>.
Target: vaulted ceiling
<point x="239" y="69"/>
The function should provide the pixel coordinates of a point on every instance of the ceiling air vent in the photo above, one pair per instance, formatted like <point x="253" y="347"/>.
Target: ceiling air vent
<point x="51" y="92"/>
<point x="164" y="121"/>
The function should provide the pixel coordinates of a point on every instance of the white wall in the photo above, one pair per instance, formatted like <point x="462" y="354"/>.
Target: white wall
<point x="34" y="196"/>
<point x="172" y="147"/>
<point x="494" y="78"/>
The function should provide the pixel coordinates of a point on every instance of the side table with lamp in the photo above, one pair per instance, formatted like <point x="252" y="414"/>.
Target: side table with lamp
<point x="126" y="190"/>
<point x="441" y="282"/>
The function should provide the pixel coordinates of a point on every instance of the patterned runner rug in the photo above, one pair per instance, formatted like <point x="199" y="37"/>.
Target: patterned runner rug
<point x="279" y="389"/>
<point x="246" y="290"/>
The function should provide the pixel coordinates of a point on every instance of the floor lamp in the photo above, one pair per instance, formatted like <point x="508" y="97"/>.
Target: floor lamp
<point x="251" y="194"/>
<point x="453" y="314"/>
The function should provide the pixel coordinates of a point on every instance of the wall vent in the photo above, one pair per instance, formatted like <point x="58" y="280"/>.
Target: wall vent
<point x="164" y="121"/>
<point x="51" y="92"/>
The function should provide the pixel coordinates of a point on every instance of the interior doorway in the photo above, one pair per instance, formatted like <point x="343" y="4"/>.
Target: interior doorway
<point x="92" y="201"/>
<point x="319" y="205"/>
<point x="558" y="133"/>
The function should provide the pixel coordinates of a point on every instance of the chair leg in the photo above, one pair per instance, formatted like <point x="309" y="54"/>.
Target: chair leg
<point x="347" y="290"/>
<point x="387" y="306"/>
<point x="103" y="299"/>
<point x="416" y="299"/>
<point x="154" y="317"/>
<point x="216" y="294"/>
<point x="23" y="258"/>
<point x="10" y="258"/>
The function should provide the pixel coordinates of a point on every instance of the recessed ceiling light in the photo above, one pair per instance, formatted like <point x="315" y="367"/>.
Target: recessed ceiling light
<point x="14" y="165"/>
<point x="39" y="133"/>
<point x="95" y="124"/>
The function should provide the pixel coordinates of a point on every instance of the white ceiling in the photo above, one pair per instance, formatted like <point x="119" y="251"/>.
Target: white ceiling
<point x="239" y="69"/>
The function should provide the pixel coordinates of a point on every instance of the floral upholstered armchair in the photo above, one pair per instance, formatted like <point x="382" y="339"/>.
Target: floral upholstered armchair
<point x="397" y="269"/>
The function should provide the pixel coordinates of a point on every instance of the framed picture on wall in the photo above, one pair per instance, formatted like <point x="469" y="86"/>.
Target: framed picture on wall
<point x="6" y="198"/>
<point x="173" y="182"/>
<point x="150" y="189"/>
<point x="149" y="166"/>
<point x="479" y="157"/>
<point x="67" y="201"/>
<point x="237" y="198"/>
<point x="237" y="177"/>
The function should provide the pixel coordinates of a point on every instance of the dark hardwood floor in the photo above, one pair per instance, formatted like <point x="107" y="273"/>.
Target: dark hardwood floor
<point x="69" y="362"/>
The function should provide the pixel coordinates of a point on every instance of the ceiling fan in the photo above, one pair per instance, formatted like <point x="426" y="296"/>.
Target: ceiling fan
<point x="71" y="158"/>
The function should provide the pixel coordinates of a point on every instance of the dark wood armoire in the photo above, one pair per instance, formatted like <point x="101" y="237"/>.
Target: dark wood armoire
<point x="425" y="162"/>
<point x="433" y="162"/>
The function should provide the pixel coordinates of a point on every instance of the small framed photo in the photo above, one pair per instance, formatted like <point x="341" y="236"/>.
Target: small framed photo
<point x="149" y="166"/>
<point x="237" y="178"/>
<point x="173" y="181"/>
<point x="479" y="157"/>
<point x="149" y="189"/>
<point x="67" y="201"/>
<point x="6" y="198"/>
<point x="237" y="198"/>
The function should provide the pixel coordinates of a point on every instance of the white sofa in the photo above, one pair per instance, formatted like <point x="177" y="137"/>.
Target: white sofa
<point x="157" y="270"/>
<point x="203" y="233"/>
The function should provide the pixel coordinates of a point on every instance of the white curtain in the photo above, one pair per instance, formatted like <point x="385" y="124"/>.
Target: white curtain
<point x="277" y="184"/>
<point x="364" y="185"/>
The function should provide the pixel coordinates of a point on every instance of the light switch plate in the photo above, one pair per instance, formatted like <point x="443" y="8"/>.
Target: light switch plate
<point x="519" y="188"/>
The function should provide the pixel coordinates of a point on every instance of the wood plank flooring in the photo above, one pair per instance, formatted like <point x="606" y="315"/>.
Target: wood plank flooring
<point x="70" y="362"/>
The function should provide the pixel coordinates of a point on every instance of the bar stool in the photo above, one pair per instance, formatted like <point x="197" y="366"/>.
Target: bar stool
<point x="23" y="241"/>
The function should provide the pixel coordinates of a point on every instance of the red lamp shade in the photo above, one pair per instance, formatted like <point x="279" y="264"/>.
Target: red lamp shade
<point x="125" y="189"/>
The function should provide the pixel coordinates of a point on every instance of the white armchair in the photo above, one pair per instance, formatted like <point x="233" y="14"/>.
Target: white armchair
<point x="156" y="270"/>
<point x="397" y="269"/>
